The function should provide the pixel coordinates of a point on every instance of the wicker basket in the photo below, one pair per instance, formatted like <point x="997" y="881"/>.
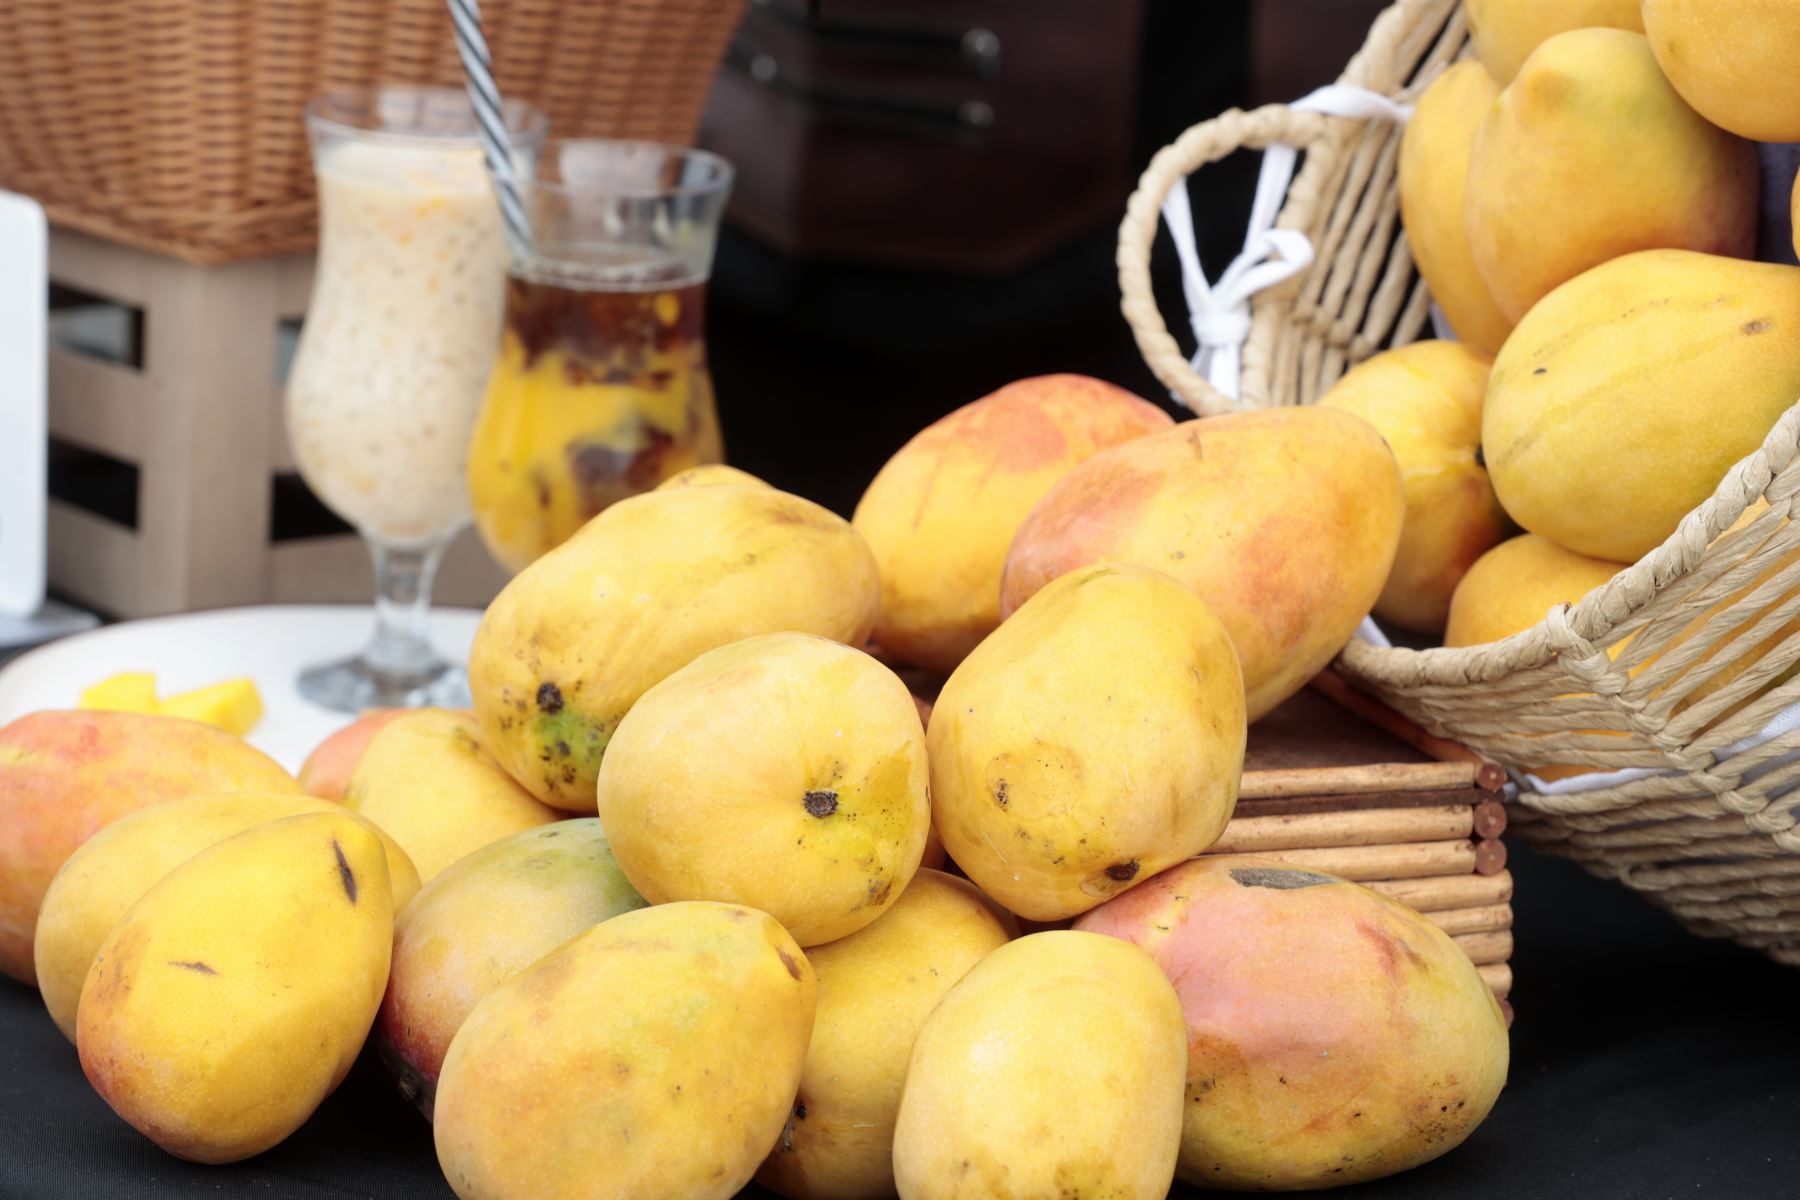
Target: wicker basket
<point x="1697" y="806"/>
<point x="175" y="125"/>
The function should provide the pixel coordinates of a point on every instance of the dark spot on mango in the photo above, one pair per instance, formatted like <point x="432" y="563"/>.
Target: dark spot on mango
<point x="549" y="699"/>
<point x="800" y="1110"/>
<point x="198" y="967"/>
<point x="1280" y="878"/>
<point x="821" y="803"/>
<point x="562" y="749"/>
<point x="1480" y="458"/>
<point x="1541" y="371"/>
<point x="346" y="876"/>
<point x="1760" y="325"/>
<point x="1123" y="872"/>
<point x="793" y="968"/>
<point x="1000" y="793"/>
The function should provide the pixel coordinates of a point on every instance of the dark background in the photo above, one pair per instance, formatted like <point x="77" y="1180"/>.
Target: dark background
<point x="1647" y="1062"/>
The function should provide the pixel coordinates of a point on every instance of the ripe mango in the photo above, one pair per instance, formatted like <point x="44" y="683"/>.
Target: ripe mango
<point x="645" y="588"/>
<point x="64" y="776"/>
<point x="654" y="1055"/>
<point x="942" y="512"/>
<point x="1505" y="32"/>
<point x="1333" y="1035"/>
<point x="1092" y="740"/>
<point x="485" y="918"/>
<point x="1284" y="520"/>
<point x="1733" y="60"/>
<point x="1623" y="398"/>
<point x="426" y="780"/>
<point x="1512" y="586"/>
<point x="785" y="771"/>
<point x="113" y="869"/>
<point x="876" y="987"/>
<point x="1425" y="400"/>
<point x="233" y="997"/>
<point x="327" y="770"/>
<point x="1434" y="169"/>
<point x="1590" y="154"/>
<point x="708" y="475"/>
<point x="1053" y="1068"/>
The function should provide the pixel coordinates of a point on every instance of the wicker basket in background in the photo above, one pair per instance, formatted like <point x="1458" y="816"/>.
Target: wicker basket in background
<point x="175" y="125"/>
<point x="1702" y="816"/>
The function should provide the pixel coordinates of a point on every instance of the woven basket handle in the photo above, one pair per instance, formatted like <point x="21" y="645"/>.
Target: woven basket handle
<point x="1221" y="314"/>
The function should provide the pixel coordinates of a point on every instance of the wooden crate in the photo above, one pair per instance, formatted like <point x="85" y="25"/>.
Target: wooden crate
<point x="197" y="413"/>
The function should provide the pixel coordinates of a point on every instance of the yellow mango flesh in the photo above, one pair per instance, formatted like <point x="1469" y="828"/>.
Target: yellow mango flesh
<point x="876" y="987"/>
<point x="1092" y="740"/>
<point x="1425" y="399"/>
<point x="233" y="997"/>
<point x="1505" y="32"/>
<point x="655" y="1055"/>
<point x="1512" y="587"/>
<point x="708" y="475"/>
<point x="645" y="588"/>
<point x="1333" y="1035"/>
<point x="1623" y="398"/>
<point x="133" y="691"/>
<point x="64" y="776"/>
<point x="1053" y="1068"/>
<point x="1434" y="167"/>
<point x="1590" y="154"/>
<point x="785" y="772"/>
<point x="1285" y="521"/>
<point x="427" y="781"/>
<point x="1733" y="60"/>
<point x="484" y="919"/>
<point x="113" y="869"/>
<point x="234" y="705"/>
<point x="943" y="510"/>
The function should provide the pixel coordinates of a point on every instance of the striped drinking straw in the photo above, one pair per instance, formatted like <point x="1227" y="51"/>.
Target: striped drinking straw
<point x="484" y="96"/>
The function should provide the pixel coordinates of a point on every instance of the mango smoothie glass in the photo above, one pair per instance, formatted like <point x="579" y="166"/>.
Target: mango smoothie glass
<point x="601" y="389"/>
<point x="394" y="356"/>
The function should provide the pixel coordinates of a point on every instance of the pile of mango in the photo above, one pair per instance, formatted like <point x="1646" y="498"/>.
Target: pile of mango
<point x="700" y="892"/>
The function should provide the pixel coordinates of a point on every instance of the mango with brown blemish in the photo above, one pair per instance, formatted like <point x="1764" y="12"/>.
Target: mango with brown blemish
<point x="1053" y="1068"/>
<point x="642" y="590"/>
<point x="1089" y="742"/>
<point x="482" y="920"/>
<point x="786" y="772"/>
<point x="1333" y="1035"/>
<point x="654" y="1055"/>
<point x="114" y="868"/>
<point x="327" y="770"/>
<point x="876" y="987"/>
<point x="1284" y="520"/>
<point x="233" y="997"/>
<point x="64" y="776"/>
<point x="940" y="515"/>
<point x="426" y="780"/>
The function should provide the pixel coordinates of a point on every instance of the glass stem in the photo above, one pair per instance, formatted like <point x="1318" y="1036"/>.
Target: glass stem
<point x="403" y="578"/>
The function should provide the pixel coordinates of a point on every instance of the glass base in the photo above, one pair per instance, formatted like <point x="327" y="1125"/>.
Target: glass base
<point x="354" y="686"/>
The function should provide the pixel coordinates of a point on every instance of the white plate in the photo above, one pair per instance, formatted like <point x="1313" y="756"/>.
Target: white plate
<point x="270" y="644"/>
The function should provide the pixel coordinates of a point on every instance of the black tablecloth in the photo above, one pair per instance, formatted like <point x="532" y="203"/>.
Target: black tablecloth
<point x="1647" y="1063"/>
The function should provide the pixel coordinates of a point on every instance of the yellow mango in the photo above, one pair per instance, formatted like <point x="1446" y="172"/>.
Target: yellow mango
<point x="64" y="776"/>
<point x="232" y="999"/>
<point x="1089" y="742"/>
<point x="786" y="772"/>
<point x="876" y="987"/>
<point x="1590" y="154"/>
<point x="234" y="705"/>
<point x="644" y="589"/>
<point x="940" y="515"/>
<point x="1055" y="1067"/>
<point x="133" y="691"/>
<point x="485" y="918"/>
<point x="1512" y="586"/>
<point x="1434" y="167"/>
<point x="1333" y="1035"/>
<point x="1733" y="60"/>
<point x="426" y="779"/>
<point x="708" y="475"/>
<point x="1425" y="400"/>
<point x="1284" y="520"/>
<point x="327" y="770"/>
<point x="655" y="1055"/>
<point x="1623" y="398"/>
<point x="1505" y="32"/>
<point x="114" y="868"/>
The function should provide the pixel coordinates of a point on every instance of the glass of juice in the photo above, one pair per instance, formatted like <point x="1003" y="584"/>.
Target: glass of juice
<point x="394" y="356"/>
<point x="601" y="389"/>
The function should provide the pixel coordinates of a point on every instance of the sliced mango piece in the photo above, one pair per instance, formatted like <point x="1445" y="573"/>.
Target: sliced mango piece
<point x="234" y="705"/>
<point x="131" y="691"/>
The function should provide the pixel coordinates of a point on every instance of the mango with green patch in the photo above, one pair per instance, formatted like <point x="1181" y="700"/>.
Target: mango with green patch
<point x="785" y="771"/>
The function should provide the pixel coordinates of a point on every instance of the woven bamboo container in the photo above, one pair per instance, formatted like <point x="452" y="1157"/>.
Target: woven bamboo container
<point x="1698" y="806"/>
<point x="174" y="125"/>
